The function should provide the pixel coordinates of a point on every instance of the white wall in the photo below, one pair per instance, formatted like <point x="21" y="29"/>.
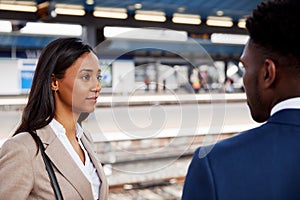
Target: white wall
<point x="9" y="77"/>
<point x="16" y="76"/>
<point x="123" y="76"/>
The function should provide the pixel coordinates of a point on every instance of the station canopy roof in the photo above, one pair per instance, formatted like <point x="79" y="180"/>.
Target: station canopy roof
<point x="231" y="8"/>
<point x="201" y="10"/>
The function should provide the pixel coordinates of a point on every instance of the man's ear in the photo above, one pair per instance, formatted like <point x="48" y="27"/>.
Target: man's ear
<point x="54" y="83"/>
<point x="269" y="73"/>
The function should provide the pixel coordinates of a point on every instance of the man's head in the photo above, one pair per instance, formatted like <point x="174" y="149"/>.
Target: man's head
<point x="272" y="56"/>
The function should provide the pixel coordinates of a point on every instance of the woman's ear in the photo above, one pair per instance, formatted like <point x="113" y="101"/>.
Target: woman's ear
<point x="54" y="83"/>
<point x="269" y="73"/>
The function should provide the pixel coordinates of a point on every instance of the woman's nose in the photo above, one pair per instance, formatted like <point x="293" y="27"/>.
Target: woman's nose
<point x="97" y="88"/>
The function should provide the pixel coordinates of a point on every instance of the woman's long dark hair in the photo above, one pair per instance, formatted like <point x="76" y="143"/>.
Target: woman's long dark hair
<point x="55" y="58"/>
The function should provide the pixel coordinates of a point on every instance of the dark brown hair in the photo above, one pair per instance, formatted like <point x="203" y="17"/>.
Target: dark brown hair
<point x="55" y="58"/>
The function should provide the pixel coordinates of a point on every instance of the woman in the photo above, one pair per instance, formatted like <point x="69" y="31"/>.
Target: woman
<point x="66" y="83"/>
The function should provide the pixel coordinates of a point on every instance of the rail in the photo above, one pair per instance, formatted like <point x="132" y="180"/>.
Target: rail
<point x="18" y="102"/>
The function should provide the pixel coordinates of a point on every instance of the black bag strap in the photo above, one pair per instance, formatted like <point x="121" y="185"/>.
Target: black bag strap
<point x="49" y="167"/>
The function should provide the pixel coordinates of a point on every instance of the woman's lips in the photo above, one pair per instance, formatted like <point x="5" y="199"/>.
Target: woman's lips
<point x="94" y="99"/>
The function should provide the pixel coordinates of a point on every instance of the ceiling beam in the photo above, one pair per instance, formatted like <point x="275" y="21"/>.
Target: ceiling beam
<point x="89" y="20"/>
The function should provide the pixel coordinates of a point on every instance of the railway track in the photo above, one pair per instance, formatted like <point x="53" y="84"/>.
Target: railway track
<point x="159" y="190"/>
<point x="137" y="172"/>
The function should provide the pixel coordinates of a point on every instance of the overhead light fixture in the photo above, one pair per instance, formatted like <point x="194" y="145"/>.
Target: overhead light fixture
<point x="186" y="19"/>
<point x="115" y="13"/>
<point x="219" y="21"/>
<point x="229" y="38"/>
<point x="144" y="33"/>
<point x="52" y="29"/>
<point x="5" y="26"/>
<point x="147" y="15"/>
<point x="67" y="9"/>
<point x="23" y="6"/>
<point x="242" y="23"/>
<point x="138" y="6"/>
<point x="90" y="2"/>
<point x="181" y="9"/>
<point x="220" y="13"/>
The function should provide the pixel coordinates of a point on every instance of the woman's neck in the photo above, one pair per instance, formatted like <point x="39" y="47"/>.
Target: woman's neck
<point x="69" y="122"/>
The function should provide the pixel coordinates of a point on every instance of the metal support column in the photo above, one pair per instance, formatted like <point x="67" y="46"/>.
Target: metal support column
<point x="89" y="35"/>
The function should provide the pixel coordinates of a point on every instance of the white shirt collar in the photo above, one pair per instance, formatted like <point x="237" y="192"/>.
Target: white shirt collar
<point x="88" y="167"/>
<point x="60" y="130"/>
<point x="293" y="103"/>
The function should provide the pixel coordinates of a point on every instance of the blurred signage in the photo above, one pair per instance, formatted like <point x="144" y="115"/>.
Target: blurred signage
<point x="27" y="68"/>
<point x="26" y="79"/>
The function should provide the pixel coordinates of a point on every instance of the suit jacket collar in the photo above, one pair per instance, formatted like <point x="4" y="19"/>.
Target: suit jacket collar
<point x="64" y="163"/>
<point x="96" y="162"/>
<point x="286" y="116"/>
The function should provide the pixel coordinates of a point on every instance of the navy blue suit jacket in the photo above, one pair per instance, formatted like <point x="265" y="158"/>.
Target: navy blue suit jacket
<point x="259" y="164"/>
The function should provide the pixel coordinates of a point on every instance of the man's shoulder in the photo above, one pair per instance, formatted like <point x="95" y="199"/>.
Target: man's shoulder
<point x="237" y="143"/>
<point x="243" y="137"/>
<point x="252" y="141"/>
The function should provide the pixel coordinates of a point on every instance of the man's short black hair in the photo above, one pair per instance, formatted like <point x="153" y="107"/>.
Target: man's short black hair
<point x="274" y="26"/>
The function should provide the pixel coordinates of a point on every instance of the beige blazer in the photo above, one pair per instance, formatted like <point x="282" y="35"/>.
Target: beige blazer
<point x="23" y="174"/>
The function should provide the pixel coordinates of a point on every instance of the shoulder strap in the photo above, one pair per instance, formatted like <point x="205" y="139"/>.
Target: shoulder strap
<point x="49" y="167"/>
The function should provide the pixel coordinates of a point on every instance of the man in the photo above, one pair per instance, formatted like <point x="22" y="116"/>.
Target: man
<point x="262" y="163"/>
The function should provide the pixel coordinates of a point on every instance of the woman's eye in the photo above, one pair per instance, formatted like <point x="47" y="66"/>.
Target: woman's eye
<point x="86" y="77"/>
<point x="99" y="77"/>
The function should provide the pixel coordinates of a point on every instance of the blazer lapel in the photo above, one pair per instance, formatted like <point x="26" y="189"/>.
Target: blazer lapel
<point x="62" y="160"/>
<point x="104" y="186"/>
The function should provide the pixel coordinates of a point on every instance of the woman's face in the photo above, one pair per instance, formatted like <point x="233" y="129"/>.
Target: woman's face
<point x="80" y="87"/>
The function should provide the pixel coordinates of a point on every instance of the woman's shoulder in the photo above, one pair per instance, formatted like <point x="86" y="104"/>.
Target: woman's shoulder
<point x="20" y="142"/>
<point x="23" y="137"/>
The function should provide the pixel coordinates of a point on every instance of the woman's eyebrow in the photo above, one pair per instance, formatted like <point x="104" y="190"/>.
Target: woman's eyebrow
<point x="89" y="70"/>
<point x="86" y="70"/>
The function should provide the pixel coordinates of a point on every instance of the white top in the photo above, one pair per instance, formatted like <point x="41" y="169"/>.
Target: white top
<point x="293" y="103"/>
<point x="87" y="168"/>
